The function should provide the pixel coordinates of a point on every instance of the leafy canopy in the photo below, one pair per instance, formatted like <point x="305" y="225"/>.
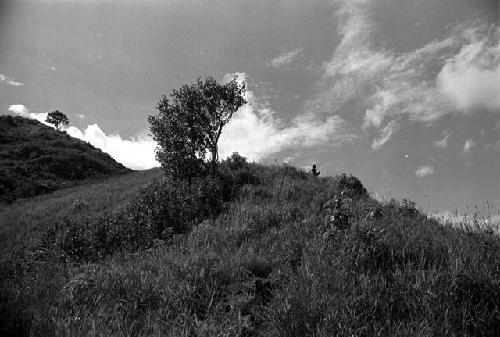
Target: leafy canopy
<point x="57" y="118"/>
<point x="189" y="125"/>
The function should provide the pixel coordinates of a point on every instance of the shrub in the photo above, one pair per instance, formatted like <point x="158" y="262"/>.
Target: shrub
<point x="164" y="208"/>
<point x="235" y="162"/>
<point x="233" y="173"/>
<point x="351" y="185"/>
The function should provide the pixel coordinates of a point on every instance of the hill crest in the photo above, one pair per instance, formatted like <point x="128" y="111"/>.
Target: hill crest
<point x="36" y="159"/>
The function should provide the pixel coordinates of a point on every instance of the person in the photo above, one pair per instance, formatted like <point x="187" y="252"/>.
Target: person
<point x="314" y="171"/>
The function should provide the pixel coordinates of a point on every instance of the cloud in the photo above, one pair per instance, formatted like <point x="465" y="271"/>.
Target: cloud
<point x="22" y="110"/>
<point x="353" y="63"/>
<point x="19" y="109"/>
<point x="389" y="84"/>
<point x="137" y="153"/>
<point x="285" y="58"/>
<point x="256" y="133"/>
<point x="469" y="145"/>
<point x="472" y="77"/>
<point x="9" y="81"/>
<point x="443" y="142"/>
<point x="424" y="171"/>
<point x="426" y="83"/>
<point x="385" y="135"/>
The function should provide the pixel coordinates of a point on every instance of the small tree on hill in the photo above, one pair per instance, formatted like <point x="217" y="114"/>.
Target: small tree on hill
<point x="189" y="125"/>
<point x="57" y="118"/>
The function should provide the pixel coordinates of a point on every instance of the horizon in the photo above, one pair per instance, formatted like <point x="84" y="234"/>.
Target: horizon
<point x="401" y="94"/>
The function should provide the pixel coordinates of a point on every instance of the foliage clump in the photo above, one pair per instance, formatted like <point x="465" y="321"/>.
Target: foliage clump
<point x="57" y="118"/>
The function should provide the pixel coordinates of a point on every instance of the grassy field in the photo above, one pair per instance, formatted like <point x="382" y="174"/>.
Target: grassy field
<point x="27" y="218"/>
<point x="259" y="266"/>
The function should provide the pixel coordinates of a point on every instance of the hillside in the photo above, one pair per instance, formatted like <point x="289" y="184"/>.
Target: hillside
<point x="250" y="253"/>
<point x="36" y="159"/>
<point x="26" y="219"/>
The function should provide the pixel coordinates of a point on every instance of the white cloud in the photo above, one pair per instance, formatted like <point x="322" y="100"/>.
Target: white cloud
<point x="135" y="153"/>
<point x="472" y="77"/>
<point x="385" y="135"/>
<point x="354" y="63"/>
<point x="22" y="110"/>
<point x="424" y="171"/>
<point x="19" y="109"/>
<point x="285" y="58"/>
<point x="9" y="81"/>
<point x="389" y="83"/>
<point x="256" y="133"/>
<point x="462" y="69"/>
<point x="469" y="145"/>
<point x="443" y="142"/>
<point x="375" y="115"/>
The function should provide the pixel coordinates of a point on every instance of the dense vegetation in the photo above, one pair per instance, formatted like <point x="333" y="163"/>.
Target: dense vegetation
<point x="243" y="253"/>
<point x="26" y="219"/>
<point x="36" y="159"/>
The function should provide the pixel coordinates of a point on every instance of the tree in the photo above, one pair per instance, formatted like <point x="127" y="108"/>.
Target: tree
<point x="57" y="118"/>
<point x="189" y="125"/>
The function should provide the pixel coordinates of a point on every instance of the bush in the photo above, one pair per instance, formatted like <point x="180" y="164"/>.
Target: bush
<point x="235" y="162"/>
<point x="351" y="185"/>
<point x="164" y="208"/>
<point x="234" y="173"/>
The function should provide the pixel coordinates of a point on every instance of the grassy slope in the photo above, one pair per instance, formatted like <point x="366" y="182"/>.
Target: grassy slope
<point x="262" y="268"/>
<point x="26" y="219"/>
<point x="36" y="159"/>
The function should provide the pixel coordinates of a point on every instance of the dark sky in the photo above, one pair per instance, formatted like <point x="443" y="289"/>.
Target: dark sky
<point x="401" y="93"/>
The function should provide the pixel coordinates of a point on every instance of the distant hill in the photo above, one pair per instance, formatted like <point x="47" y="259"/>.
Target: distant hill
<point x="36" y="159"/>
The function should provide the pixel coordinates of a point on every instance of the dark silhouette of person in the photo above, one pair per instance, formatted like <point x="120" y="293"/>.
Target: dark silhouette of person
<point x="314" y="171"/>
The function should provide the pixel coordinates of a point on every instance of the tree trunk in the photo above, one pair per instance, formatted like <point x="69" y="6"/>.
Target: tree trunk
<point x="213" y="165"/>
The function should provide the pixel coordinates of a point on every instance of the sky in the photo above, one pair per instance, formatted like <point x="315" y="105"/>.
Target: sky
<point x="404" y="94"/>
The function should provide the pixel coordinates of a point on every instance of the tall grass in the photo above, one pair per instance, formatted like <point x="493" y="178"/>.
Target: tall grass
<point x="26" y="219"/>
<point x="260" y="267"/>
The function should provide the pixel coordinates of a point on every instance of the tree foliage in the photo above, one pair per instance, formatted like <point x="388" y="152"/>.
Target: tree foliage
<point x="189" y="125"/>
<point x="57" y="118"/>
